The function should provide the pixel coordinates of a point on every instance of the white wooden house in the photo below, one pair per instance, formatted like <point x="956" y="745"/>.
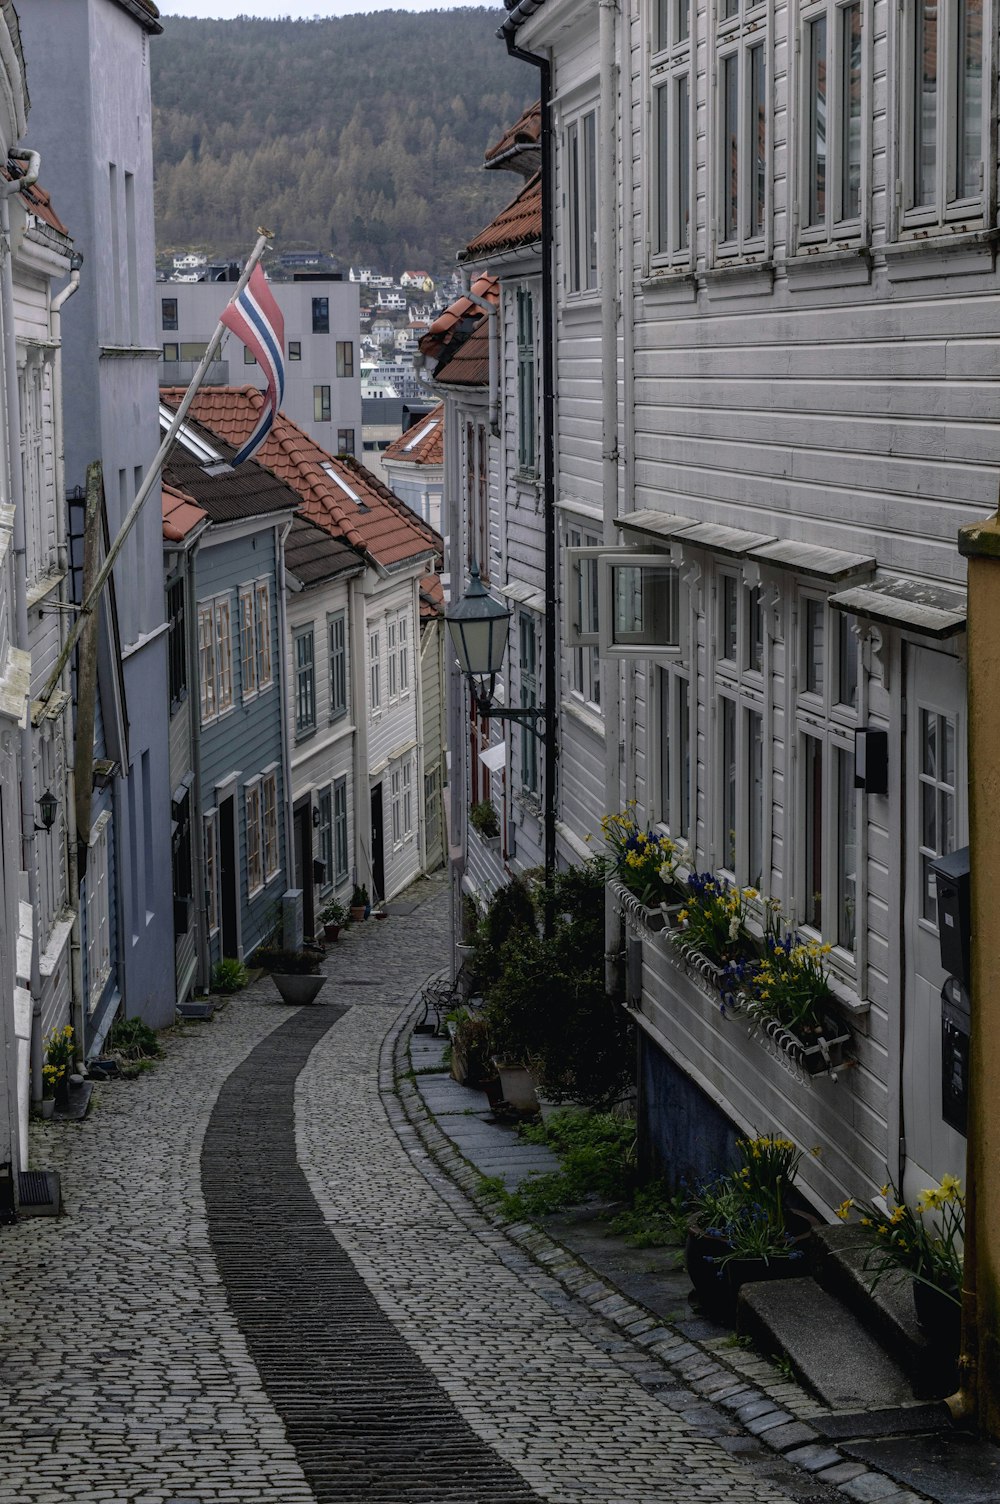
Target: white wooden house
<point x="773" y="411"/>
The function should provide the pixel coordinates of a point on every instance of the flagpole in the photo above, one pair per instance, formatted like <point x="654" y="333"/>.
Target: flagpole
<point x="151" y="476"/>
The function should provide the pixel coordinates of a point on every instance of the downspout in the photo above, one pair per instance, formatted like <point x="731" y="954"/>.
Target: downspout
<point x="507" y="32"/>
<point x="72" y="856"/>
<point x="13" y="416"/>
<point x="493" y="311"/>
<point x="608" y="263"/>
<point x="280" y="534"/>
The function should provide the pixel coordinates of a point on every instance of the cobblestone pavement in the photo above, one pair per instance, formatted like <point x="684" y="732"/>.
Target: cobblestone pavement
<point x="125" y="1374"/>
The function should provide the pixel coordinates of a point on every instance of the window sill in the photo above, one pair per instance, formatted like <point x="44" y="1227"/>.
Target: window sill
<point x="670" y="284"/>
<point x="44" y="585"/>
<point x="586" y="715"/>
<point x="921" y="255"/>
<point x="739" y="278"/>
<point x="305" y="736"/>
<point x="828" y="267"/>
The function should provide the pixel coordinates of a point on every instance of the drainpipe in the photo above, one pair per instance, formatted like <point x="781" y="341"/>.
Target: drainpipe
<point x="507" y="33"/>
<point x="493" y="310"/>
<point x="72" y="855"/>
<point x="608" y="262"/>
<point x="280" y="534"/>
<point x="13" y="415"/>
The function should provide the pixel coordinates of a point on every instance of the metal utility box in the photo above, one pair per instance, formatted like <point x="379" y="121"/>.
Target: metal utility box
<point x="956" y="1022"/>
<point x="954" y="912"/>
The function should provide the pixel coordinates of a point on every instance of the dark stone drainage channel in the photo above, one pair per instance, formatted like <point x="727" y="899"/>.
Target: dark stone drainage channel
<point x="367" y="1419"/>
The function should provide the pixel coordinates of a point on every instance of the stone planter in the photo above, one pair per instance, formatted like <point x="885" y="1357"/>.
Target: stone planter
<point x="46" y="1108"/>
<point x="550" y="1109"/>
<point x="517" y="1086"/>
<point x="940" y="1319"/>
<point x="298" y="988"/>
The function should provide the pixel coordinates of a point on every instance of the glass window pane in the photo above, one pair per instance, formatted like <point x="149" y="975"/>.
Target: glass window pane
<point x="663" y="688"/>
<point x="758" y="129"/>
<point x="662" y="25"/>
<point x="682" y="134"/>
<point x="663" y="165"/>
<point x="814" y="647"/>
<point x="684" y="757"/>
<point x="928" y="743"/>
<point x="928" y="817"/>
<point x="754" y="655"/>
<point x="850" y="113"/>
<point x="847" y="850"/>
<point x="969" y="141"/>
<point x="645" y="605"/>
<point x="683" y="20"/>
<point x="590" y="162"/>
<point x="728" y="784"/>
<point x="730" y="146"/>
<point x="948" y="750"/>
<point x="755" y="798"/>
<point x="925" y="101"/>
<point x="729" y="623"/>
<point x="848" y="649"/>
<point x="816" y="170"/>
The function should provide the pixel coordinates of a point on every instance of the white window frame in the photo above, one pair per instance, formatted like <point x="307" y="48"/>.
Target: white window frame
<point x="338" y="664"/>
<point x="98" y="911"/>
<point x="396" y="804"/>
<point x="210" y="835"/>
<point x="676" y="765"/>
<point x="672" y="129"/>
<point x="392" y="660"/>
<point x="948" y="206"/>
<point x="341" y="848"/>
<point x="248" y="642"/>
<point x="529" y="681"/>
<point x="583" y="670"/>
<point x="304" y="679"/>
<point x="324" y="806"/>
<point x="527" y="380"/>
<point x="581" y="274"/>
<point x="838" y="222"/>
<point x="262" y="632"/>
<point x="407" y="782"/>
<point x="254" y="823"/>
<point x="215" y="657"/>
<point x="643" y="643"/>
<point x="738" y="36"/>
<point x="739" y="682"/>
<point x="269" y="825"/>
<point x="403" y="627"/>
<point x="375" y="670"/>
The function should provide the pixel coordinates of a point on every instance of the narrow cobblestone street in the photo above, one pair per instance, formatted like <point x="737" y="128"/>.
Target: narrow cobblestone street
<point x="265" y="1290"/>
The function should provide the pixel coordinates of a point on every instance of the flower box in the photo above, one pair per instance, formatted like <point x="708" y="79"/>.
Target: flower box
<point x="652" y="918"/>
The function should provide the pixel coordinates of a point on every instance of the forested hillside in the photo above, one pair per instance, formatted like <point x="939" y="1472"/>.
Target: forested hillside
<point x="362" y="135"/>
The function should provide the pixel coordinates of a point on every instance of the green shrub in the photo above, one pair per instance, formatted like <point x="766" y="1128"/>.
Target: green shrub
<point x="229" y="975"/>
<point x="657" y="1217"/>
<point x="288" y="962"/>
<point x="484" y="818"/>
<point x="131" y="1039"/>
<point x="597" y="1161"/>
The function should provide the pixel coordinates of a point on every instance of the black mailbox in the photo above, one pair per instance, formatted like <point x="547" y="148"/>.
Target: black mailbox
<point x="956" y="1020"/>
<point x="954" y="912"/>
<point x="319" y="870"/>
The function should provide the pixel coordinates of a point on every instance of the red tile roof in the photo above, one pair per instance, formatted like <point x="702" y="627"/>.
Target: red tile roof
<point x="459" y="319"/>
<point x="423" y="441"/>
<point x="431" y="597"/>
<point x="377" y="523"/>
<point x="181" y="514"/>
<point x="469" y="364"/>
<point x="519" y="224"/>
<point x="35" y="197"/>
<point x="524" y="136"/>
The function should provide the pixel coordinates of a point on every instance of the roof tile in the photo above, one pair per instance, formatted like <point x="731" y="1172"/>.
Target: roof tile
<point x="423" y="441"/>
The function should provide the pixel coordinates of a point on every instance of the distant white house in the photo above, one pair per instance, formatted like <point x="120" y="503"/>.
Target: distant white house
<point x="418" y="281"/>
<point x="191" y="262"/>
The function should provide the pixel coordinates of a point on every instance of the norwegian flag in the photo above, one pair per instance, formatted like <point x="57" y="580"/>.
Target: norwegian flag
<point x="255" y="318"/>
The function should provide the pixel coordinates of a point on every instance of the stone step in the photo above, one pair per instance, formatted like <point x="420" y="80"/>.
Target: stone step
<point x="830" y="1351"/>
<point x="838" y="1259"/>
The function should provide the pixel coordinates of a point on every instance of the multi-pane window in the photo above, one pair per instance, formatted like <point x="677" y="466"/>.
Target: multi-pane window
<point x="305" y="682"/>
<point x="943" y="111"/>
<point x="407" y="772"/>
<point x="743" y="129"/>
<point x="215" y="652"/>
<point x="526" y="390"/>
<point x="675" y="762"/>
<point x="938" y="786"/>
<point x="404" y="653"/>
<point x="262" y="629"/>
<point x="345" y="357"/>
<point x="269" y="796"/>
<point x="832" y="122"/>
<point x="672" y="124"/>
<point x="374" y="671"/>
<point x="528" y="673"/>
<point x="580" y="177"/>
<point x="345" y="440"/>
<point x="392" y="664"/>
<point x="321" y="404"/>
<point x="211" y="834"/>
<point x="294" y="349"/>
<point x="255" y="854"/>
<point x="177" y="642"/>
<point x="248" y="641"/>
<point x="338" y="665"/>
<point x="321" y="315"/>
<point x="827" y="669"/>
<point x="396" y="803"/>
<point x="740" y="686"/>
<point x="325" y="831"/>
<point x="340" y="847"/>
<point x="583" y="661"/>
<point x="168" y="313"/>
<point x="477" y="496"/>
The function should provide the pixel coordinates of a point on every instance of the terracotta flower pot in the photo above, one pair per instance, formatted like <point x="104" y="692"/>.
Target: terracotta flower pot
<point x="331" y="931"/>
<point x="358" y="913"/>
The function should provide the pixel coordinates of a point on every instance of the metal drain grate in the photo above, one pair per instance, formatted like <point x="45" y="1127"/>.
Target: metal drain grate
<point x="38" y="1193"/>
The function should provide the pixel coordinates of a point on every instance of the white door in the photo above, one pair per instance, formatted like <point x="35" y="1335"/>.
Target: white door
<point x="935" y="823"/>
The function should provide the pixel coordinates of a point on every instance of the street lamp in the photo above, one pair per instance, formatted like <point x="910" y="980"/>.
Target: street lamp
<point x="48" y="804"/>
<point x="479" y="625"/>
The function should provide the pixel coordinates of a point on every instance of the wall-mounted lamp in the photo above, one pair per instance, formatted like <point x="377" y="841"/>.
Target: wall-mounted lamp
<point x="48" y="804"/>
<point x="316" y="817"/>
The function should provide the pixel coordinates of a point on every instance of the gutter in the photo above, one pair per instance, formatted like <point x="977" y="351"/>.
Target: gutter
<point x="506" y="32"/>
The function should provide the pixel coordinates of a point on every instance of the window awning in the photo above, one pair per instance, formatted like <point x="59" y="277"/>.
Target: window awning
<point x="657" y="524"/>
<point x="813" y="559"/>
<point x="711" y="535"/>
<point x="524" y="595"/>
<point x="494" y="757"/>
<point x="924" y="606"/>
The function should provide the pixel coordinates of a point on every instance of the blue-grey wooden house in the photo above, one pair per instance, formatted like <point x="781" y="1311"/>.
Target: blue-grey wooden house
<point x="238" y="832"/>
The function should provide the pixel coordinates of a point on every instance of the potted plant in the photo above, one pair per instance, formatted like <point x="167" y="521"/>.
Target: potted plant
<point x="47" y="1106"/>
<point x="926" y="1242"/>
<point x="644" y="868"/>
<point x="486" y="822"/>
<point x="295" y="973"/>
<point x="359" y="904"/>
<point x="59" y="1051"/>
<point x="471" y="1054"/>
<point x="332" y="916"/>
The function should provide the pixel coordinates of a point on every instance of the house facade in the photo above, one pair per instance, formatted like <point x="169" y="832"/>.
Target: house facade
<point x="89" y="65"/>
<point x="765" y="441"/>
<point x="322" y="354"/>
<point x="413" y="465"/>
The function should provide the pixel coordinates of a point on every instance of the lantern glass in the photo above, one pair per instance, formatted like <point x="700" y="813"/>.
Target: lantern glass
<point x="47" y="806"/>
<point x="479" y="625"/>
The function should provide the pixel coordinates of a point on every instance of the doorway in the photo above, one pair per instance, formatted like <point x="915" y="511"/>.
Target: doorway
<point x="378" y="844"/>
<point x="936" y="822"/>
<point x="229" y="878"/>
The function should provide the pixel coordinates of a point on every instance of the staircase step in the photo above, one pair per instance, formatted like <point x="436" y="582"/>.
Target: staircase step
<point x="838" y="1259"/>
<point x="830" y="1351"/>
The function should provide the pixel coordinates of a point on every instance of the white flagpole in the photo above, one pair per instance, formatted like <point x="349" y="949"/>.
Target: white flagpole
<point x="151" y="477"/>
